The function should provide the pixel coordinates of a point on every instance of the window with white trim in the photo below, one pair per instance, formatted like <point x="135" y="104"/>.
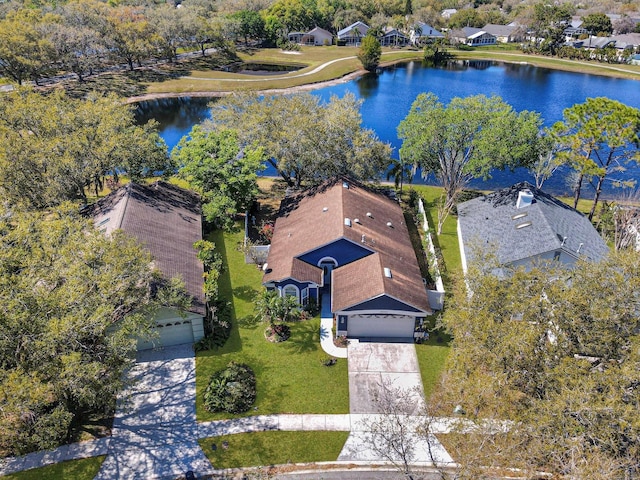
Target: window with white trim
<point x="290" y="291"/>
<point x="304" y="296"/>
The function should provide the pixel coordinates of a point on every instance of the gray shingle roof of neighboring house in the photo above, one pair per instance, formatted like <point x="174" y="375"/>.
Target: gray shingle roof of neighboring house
<point x="513" y="234"/>
<point x="426" y="31"/>
<point x="499" y="30"/>
<point x="362" y="27"/>
<point x="167" y="221"/>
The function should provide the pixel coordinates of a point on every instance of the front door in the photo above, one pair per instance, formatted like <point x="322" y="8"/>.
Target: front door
<point x="327" y="267"/>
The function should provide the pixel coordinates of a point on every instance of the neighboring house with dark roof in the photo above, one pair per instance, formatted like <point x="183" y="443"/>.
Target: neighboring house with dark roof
<point x="522" y="225"/>
<point x="353" y="34"/>
<point x="474" y="37"/>
<point x="343" y="240"/>
<point x="167" y="221"/>
<point x="392" y="37"/>
<point x="318" y="36"/>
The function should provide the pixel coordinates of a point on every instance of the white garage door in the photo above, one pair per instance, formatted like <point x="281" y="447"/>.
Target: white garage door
<point x="174" y="332"/>
<point x="394" y="326"/>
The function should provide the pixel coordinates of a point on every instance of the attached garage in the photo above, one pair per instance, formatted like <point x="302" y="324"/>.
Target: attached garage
<point x="380" y="325"/>
<point x="172" y="329"/>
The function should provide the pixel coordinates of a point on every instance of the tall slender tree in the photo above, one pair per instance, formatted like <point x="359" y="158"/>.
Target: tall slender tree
<point x="600" y="137"/>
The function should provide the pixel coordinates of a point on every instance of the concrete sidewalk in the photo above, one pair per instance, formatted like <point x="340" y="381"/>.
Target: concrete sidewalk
<point x="326" y="329"/>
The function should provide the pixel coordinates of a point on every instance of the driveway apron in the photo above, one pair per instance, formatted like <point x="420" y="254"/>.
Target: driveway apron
<point x="372" y="364"/>
<point x="154" y="431"/>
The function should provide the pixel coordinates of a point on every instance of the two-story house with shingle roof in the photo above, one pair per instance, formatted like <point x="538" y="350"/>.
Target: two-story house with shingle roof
<point x="521" y="225"/>
<point x="349" y="245"/>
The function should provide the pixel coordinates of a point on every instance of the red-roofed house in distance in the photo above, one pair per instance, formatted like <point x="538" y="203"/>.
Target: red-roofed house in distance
<point x="348" y="246"/>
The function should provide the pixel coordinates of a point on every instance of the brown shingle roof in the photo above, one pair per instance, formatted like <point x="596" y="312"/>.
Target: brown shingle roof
<point x="317" y="216"/>
<point x="166" y="220"/>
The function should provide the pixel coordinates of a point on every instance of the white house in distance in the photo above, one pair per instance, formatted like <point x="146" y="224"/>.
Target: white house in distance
<point x="474" y="37"/>
<point x="167" y="221"/>
<point x="353" y="34"/>
<point x="422" y="33"/>
<point x="522" y="225"/>
<point x="503" y="33"/>
<point x="317" y="37"/>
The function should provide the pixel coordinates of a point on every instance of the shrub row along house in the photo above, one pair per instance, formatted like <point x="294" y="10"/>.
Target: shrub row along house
<point x="348" y="246"/>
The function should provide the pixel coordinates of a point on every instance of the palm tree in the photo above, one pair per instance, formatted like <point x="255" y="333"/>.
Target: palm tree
<point x="355" y="31"/>
<point x="399" y="171"/>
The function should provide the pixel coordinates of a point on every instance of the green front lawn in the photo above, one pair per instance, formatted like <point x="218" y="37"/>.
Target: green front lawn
<point x="273" y="448"/>
<point x="83" y="469"/>
<point x="448" y="240"/>
<point x="290" y="375"/>
<point x="432" y="356"/>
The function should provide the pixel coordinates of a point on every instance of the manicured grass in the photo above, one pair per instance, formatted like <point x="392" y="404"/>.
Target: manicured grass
<point x="84" y="469"/>
<point x="207" y="80"/>
<point x="290" y="375"/>
<point x="447" y="241"/>
<point x="595" y="68"/>
<point x="273" y="448"/>
<point x="431" y="359"/>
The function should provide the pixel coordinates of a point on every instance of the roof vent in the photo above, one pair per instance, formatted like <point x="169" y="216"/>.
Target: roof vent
<point x="325" y="209"/>
<point x="525" y="198"/>
<point x="347" y="222"/>
<point x="564" y="240"/>
<point x="345" y="185"/>
<point x="387" y="272"/>
<point x="523" y="225"/>
<point x="364" y="238"/>
<point x="389" y="224"/>
<point x="579" y="247"/>
<point x="369" y="214"/>
<point x="356" y="220"/>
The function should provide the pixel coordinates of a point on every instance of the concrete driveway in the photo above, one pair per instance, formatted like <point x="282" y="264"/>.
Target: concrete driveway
<point x="373" y="364"/>
<point x="154" y="431"/>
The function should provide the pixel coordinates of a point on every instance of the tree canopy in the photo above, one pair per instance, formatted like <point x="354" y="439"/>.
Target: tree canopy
<point x="53" y="148"/>
<point x="597" y="24"/>
<point x="303" y="138"/>
<point x="555" y="352"/>
<point x="598" y="139"/>
<point x="71" y="303"/>
<point x="370" y="52"/>
<point x="225" y="175"/>
<point x="466" y="139"/>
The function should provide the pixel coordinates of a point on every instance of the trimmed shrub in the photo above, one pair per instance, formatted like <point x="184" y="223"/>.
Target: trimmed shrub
<point x="232" y="390"/>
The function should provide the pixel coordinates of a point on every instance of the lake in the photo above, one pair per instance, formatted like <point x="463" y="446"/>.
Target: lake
<point x="387" y="98"/>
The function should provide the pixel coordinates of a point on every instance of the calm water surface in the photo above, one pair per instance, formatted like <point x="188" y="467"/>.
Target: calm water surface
<point x="387" y="98"/>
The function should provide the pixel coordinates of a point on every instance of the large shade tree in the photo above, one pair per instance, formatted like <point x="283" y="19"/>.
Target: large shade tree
<point x="71" y="304"/>
<point x="467" y="139"/>
<point x="305" y="139"/>
<point x="225" y="175"/>
<point x="555" y="353"/>
<point x="54" y="148"/>
<point x="599" y="138"/>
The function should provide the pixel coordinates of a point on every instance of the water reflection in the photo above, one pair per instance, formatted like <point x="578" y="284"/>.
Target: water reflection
<point x="387" y="98"/>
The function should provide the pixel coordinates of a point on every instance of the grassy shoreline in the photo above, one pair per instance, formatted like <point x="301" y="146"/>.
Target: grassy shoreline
<point x="332" y="65"/>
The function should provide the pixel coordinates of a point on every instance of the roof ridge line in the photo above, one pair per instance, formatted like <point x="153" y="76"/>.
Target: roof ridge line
<point x="127" y="194"/>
